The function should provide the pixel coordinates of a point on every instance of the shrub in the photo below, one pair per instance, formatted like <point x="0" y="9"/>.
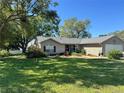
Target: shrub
<point x="4" y="53"/>
<point x="78" y="51"/>
<point x="67" y="53"/>
<point x="35" y="52"/>
<point x="70" y="53"/>
<point x="83" y="52"/>
<point x="74" y="53"/>
<point x="61" y="54"/>
<point x="114" y="54"/>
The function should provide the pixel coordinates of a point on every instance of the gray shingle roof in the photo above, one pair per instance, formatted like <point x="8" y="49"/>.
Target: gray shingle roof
<point x="61" y="40"/>
<point x="97" y="40"/>
<point x="41" y="38"/>
<point x="64" y="40"/>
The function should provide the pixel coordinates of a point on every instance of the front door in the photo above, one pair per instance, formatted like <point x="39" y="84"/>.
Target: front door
<point x="67" y="48"/>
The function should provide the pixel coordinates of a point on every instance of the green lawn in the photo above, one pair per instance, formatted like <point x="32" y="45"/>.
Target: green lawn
<point x="59" y="75"/>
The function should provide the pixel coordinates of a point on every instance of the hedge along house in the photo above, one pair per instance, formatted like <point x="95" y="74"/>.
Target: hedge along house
<point x="92" y="46"/>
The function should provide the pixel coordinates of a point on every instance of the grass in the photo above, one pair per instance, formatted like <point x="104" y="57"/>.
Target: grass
<point x="59" y="75"/>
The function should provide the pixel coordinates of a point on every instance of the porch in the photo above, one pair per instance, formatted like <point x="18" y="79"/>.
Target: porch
<point x="71" y="48"/>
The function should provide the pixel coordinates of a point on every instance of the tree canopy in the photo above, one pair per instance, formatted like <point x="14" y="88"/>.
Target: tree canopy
<point x="22" y="20"/>
<point x="75" y="28"/>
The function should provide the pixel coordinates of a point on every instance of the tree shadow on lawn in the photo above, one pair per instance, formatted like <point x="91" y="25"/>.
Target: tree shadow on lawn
<point x="95" y="71"/>
<point x="32" y="74"/>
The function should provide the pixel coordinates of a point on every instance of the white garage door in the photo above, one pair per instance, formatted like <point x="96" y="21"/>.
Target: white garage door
<point x="93" y="50"/>
<point x="109" y="47"/>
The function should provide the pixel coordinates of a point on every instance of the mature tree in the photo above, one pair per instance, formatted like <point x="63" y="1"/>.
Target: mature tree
<point x="75" y="28"/>
<point x="24" y="17"/>
<point x="23" y="34"/>
<point x="48" y="27"/>
<point x="11" y="10"/>
<point x="5" y="36"/>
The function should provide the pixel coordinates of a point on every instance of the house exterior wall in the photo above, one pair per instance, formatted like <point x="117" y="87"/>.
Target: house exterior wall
<point x="60" y="48"/>
<point x="31" y="43"/>
<point x="114" y="41"/>
<point x="93" y="49"/>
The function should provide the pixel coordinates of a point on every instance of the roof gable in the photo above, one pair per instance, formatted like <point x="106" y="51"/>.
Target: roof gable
<point x="50" y="39"/>
<point x="115" y="37"/>
<point x="61" y="40"/>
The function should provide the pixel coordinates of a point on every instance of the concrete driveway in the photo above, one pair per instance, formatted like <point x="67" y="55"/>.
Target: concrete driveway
<point x="85" y="57"/>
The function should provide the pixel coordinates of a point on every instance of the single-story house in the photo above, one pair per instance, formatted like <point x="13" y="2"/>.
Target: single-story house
<point x="93" y="46"/>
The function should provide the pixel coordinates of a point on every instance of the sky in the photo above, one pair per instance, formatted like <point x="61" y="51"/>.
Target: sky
<point x="105" y="15"/>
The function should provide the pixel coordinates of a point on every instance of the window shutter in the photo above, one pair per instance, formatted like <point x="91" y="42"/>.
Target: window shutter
<point x="44" y="48"/>
<point x="54" y="48"/>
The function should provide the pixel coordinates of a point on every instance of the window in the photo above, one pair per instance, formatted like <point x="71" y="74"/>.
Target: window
<point x="50" y="48"/>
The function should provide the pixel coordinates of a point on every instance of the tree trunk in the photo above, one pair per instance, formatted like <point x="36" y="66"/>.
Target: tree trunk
<point x="24" y="47"/>
<point x="24" y="50"/>
<point x="1" y="27"/>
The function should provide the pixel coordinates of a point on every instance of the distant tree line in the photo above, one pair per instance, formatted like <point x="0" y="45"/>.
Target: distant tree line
<point x="119" y="33"/>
